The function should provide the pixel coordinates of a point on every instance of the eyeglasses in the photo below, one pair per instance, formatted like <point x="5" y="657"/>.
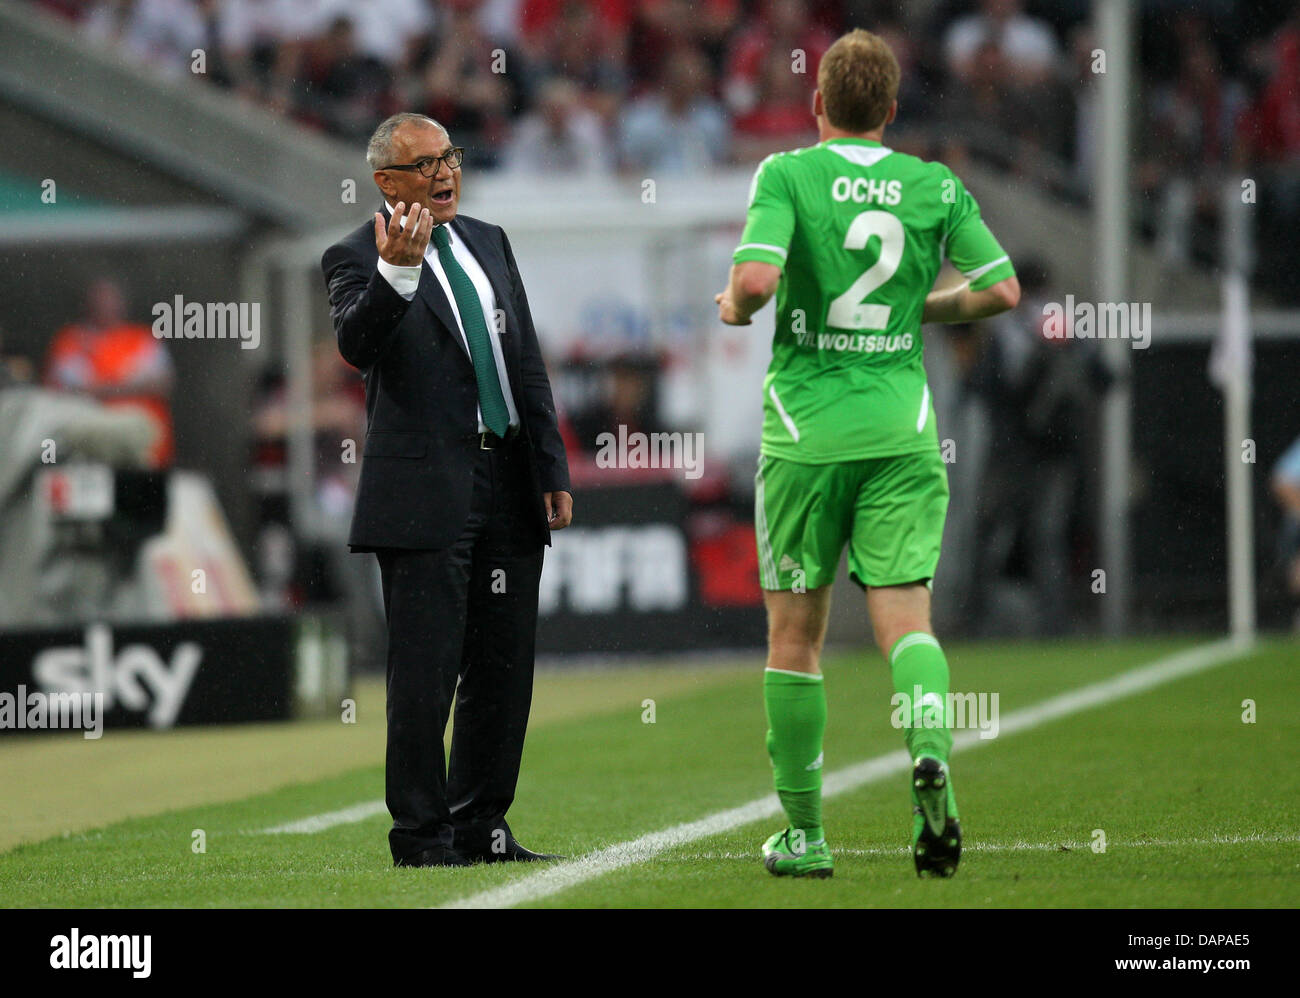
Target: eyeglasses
<point x="431" y="165"/>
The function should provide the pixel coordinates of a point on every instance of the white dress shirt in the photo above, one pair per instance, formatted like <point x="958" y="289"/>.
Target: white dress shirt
<point x="405" y="280"/>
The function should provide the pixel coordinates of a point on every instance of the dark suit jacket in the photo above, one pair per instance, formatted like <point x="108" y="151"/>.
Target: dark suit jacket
<point x="421" y="396"/>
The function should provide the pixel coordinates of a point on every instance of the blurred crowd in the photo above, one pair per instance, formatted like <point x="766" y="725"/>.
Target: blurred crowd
<point x="1024" y="413"/>
<point x="1285" y="484"/>
<point x="592" y="86"/>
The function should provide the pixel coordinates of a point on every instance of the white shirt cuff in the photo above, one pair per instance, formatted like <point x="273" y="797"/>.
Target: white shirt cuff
<point x="404" y="280"/>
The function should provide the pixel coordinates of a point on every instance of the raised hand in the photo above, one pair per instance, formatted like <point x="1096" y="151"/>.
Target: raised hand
<point x="403" y="246"/>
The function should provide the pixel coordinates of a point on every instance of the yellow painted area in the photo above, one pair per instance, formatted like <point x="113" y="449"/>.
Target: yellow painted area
<point x="60" y="782"/>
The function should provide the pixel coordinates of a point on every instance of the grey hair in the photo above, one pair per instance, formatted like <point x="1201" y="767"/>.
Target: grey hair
<point x="379" y="150"/>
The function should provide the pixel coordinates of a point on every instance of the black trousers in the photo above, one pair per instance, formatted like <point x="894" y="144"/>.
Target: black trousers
<point x="467" y="613"/>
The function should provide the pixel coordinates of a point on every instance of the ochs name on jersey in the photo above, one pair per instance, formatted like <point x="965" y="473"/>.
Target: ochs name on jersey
<point x="865" y="191"/>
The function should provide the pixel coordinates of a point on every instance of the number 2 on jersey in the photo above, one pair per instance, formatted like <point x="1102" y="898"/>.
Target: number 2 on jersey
<point x="848" y="311"/>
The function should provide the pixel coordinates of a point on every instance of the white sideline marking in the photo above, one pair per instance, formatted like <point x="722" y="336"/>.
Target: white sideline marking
<point x="1217" y="840"/>
<point x="320" y="822"/>
<point x="560" y="877"/>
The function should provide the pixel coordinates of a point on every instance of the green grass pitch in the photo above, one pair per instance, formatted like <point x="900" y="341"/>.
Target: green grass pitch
<point x="1197" y="807"/>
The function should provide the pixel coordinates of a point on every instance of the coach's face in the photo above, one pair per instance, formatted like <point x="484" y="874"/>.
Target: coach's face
<point x="414" y="143"/>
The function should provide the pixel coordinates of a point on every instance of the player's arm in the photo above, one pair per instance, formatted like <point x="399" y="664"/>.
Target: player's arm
<point x="991" y="285"/>
<point x="961" y="304"/>
<point x="760" y="257"/>
<point x="750" y="287"/>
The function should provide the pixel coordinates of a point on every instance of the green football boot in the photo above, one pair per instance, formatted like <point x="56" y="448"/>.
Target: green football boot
<point x="936" y="832"/>
<point x="785" y="856"/>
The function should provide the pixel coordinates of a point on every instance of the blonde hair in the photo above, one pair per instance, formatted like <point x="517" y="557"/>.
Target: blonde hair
<point x="858" y="78"/>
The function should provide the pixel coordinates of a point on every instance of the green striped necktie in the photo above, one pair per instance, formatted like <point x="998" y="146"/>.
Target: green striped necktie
<point x="490" y="399"/>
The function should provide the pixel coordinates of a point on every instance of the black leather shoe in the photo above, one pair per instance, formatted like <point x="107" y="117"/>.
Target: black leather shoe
<point x="512" y="853"/>
<point x="433" y="856"/>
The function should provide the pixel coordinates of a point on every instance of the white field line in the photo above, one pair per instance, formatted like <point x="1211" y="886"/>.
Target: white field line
<point x="559" y="877"/>
<point x="1217" y="840"/>
<point x="321" y="822"/>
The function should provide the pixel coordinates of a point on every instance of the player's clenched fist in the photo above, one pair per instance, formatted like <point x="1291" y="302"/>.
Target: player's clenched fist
<point x="403" y="245"/>
<point x="727" y="311"/>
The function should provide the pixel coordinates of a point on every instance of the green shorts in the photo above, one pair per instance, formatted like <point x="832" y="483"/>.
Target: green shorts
<point x="889" y="510"/>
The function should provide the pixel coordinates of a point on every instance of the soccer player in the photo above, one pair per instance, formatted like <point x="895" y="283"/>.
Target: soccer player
<point x="850" y="235"/>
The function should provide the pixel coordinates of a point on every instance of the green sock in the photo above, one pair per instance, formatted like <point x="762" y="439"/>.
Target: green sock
<point x="917" y="664"/>
<point x="796" y="722"/>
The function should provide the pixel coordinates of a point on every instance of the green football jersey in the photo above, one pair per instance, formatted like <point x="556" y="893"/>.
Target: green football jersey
<point x="859" y="232"/>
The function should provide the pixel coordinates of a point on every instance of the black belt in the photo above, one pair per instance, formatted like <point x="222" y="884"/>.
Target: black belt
<point x="487" y="440"/>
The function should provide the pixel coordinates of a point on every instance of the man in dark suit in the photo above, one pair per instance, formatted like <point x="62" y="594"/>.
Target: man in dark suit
<point x="463" y="478"/>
